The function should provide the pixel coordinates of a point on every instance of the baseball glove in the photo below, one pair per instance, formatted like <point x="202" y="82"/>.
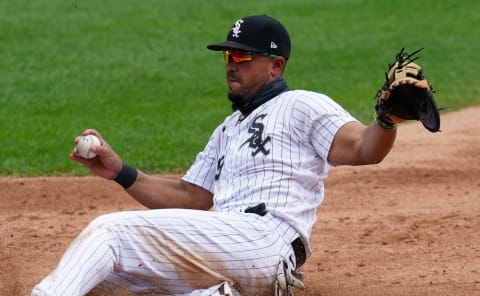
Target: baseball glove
<point x="406" y="95"/>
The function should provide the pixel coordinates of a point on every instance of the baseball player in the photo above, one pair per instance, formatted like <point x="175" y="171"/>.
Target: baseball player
<point x="262" y="171"/>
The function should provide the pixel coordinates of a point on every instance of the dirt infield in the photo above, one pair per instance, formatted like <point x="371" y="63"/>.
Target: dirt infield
<point x="409" y="226"/>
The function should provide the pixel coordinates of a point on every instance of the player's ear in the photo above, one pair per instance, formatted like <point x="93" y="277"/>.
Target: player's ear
<point x="279" y="63"/>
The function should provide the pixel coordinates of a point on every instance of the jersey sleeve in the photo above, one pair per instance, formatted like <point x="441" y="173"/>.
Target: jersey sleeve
<point x="203" y="170"/>
<point x="321" y="118"/>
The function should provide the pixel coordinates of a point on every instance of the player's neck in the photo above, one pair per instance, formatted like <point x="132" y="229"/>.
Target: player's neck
<point x="264" y="94"/>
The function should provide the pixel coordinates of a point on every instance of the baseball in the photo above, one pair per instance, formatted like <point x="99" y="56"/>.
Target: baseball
<point x="84" y="144"/>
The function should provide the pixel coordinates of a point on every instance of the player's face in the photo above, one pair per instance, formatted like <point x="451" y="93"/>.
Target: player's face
<point x="245" y="75"/>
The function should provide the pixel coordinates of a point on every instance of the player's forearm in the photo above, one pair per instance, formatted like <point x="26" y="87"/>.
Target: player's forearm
<point x="159" y="192"/>
<point x="376" y="144"/>
<point x="357" y="144"/>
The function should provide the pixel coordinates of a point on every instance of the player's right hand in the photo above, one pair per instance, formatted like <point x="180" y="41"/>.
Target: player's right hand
<point x="107" y="164"/>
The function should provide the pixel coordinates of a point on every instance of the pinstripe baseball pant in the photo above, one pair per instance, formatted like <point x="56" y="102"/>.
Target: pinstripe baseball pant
<point x="174" y="252"/>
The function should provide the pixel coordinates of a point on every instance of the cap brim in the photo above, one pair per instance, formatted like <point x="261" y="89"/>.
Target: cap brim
<point x="231" y="45"/>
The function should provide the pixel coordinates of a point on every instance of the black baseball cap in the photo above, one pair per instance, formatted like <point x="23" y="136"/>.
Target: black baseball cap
<point x="257" y="33"/>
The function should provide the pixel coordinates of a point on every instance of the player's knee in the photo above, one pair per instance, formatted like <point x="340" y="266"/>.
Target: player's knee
<point x="105" y="221"/>
<point x="101" y="229"/>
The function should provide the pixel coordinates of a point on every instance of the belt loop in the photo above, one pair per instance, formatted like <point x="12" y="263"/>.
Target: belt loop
<point x="259" y="209"/>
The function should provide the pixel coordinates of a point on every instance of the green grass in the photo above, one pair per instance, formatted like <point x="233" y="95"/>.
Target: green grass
<point x="139" y="72"/>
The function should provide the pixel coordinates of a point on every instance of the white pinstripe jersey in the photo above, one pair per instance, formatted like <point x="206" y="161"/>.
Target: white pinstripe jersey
<point x="276" y="155"/>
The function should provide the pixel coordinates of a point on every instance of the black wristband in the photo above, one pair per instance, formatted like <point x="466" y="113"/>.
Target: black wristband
<point x="127" y="176"/>
<point x="384" y="123"/>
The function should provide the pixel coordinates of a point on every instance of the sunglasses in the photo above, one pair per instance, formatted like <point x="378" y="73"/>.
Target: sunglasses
<point x="240" y="56"/>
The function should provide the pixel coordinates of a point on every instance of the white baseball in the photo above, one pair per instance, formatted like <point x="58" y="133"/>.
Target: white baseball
<point x="84" y="144"/>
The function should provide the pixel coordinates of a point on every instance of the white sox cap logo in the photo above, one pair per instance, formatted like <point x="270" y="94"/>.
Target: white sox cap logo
<point x="236" y="29"/>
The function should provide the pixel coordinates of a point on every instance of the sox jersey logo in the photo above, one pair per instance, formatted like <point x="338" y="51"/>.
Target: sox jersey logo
<point x="256" y="141"/>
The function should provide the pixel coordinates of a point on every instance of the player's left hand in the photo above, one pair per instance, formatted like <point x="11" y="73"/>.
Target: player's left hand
<point x="406" y="95"/>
